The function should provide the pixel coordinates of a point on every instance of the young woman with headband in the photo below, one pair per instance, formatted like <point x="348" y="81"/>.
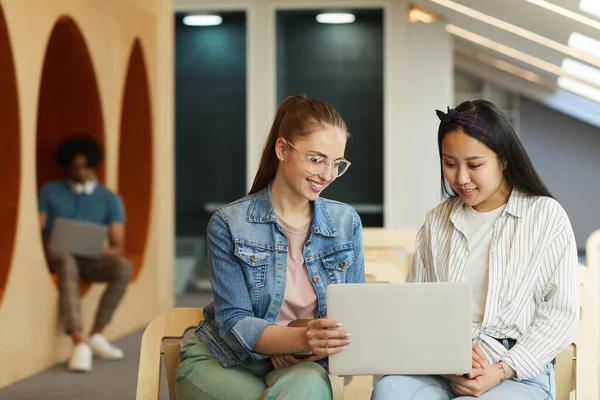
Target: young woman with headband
<point x="501" y="231"/>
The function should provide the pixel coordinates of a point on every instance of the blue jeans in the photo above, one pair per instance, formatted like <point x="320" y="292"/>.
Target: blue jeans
<point x="424" y="387"/>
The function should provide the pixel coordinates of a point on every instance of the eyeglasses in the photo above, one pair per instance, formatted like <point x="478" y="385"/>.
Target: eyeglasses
<point x="319" y="164"/>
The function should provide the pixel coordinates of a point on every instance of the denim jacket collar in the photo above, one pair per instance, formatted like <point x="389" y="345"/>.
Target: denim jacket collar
<point x="261" y="211"/>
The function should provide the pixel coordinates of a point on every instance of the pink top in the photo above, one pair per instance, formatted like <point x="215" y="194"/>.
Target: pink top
<point x="300" y="300"/>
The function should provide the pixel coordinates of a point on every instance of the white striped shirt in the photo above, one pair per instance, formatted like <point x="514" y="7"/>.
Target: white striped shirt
<point x="533" y="294"/>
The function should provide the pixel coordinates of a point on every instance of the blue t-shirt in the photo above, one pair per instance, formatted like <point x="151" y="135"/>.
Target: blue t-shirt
<point x="56" y="200"/>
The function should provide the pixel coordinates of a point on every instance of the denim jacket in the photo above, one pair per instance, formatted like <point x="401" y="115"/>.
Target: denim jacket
<point x="247" y="266"/>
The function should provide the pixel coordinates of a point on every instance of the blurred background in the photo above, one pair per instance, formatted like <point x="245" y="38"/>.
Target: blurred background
<point x="537" y="60"/>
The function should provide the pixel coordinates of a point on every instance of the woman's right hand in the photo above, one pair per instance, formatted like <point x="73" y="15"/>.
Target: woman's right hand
<point x="480" y="362"/>
<point x="325" y="338"/>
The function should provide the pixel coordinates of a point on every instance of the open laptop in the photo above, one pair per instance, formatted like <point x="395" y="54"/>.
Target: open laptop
<point x="402" y="328"/>
<point x="82" y="239"/>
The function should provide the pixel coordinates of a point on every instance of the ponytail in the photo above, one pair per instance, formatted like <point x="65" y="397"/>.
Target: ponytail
<point x="268" y="161"/>
<point x="296" y="116"/>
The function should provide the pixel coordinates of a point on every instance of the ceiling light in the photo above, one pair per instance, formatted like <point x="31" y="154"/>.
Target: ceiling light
<point x="500" y="48"/>
<point x="417" y="14"/>
<point x="469" y="52"/>
<point x="202" y="20"/>
<point x="566" y="13"/>
<point x="582" y="71"/>
<point x="336" y="18"/>
<point x="517" y="71"/>
<point x="579" y="88"/>
<point x="524" y="57"/>
<point x="585" y="44"/>
<point x="590" y="6"/>
<point x="534" y="37"/>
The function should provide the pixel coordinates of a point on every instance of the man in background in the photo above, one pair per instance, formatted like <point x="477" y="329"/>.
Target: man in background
<point x="79" y="196"/>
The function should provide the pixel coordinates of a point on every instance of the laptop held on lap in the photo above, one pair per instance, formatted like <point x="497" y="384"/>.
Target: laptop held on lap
<point x="82" y="239"/>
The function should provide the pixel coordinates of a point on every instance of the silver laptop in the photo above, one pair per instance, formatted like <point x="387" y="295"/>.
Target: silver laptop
<point x="402" y="328"/>
<point x="82" y="239"/>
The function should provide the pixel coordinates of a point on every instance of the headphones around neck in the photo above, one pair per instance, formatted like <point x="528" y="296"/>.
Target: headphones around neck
<point x="83" y="188"/>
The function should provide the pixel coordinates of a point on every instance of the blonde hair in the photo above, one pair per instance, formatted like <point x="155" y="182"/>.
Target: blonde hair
<point x="296" y="116"/>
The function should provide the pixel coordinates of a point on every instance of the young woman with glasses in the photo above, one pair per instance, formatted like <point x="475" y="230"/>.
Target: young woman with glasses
<point x="271" y="256"/>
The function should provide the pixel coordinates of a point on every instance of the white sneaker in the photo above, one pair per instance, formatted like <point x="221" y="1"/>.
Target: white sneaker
<point x="81" y="358"/>
<point x="103" y="349"/>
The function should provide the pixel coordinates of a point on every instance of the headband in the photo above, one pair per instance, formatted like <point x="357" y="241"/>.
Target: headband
<point x="468" y="119"/>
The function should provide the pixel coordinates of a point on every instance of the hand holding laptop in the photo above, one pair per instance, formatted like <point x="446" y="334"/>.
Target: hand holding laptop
<point x="479" y="362"/>
<point x="481" y="379"/>
<point x="323" y="336"/>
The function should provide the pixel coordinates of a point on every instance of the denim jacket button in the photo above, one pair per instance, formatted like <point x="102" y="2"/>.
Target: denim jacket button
<point x="308" y="244"/>
<point x="252" y="258"/>
<point x="343" y="264"/>
<point x="316" y="278"/>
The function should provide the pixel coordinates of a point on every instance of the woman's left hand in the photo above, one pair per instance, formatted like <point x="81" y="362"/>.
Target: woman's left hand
<point x="285" y="360"/>
<point x="490" y="377"/>
<point x="289" y="359"/>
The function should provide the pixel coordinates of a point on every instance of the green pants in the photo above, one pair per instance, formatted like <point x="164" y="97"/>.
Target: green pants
<point x="201" y="377"/>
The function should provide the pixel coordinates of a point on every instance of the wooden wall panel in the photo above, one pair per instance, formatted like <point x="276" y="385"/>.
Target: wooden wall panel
<point x="114" y="47"/>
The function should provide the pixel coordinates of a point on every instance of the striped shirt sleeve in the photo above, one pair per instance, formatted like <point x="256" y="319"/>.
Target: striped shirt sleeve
<point x="555" y="322"/>
<point x="423" y="258"/>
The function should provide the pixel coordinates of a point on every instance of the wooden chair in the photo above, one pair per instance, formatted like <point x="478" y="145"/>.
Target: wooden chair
<point x="577" y="367"/>
<point x="163" y="337"/>
<point x="387" y="238"/>
<point x="384" y="270"/>
<point x="592" y="254"/>
<point x="388" y="253"/>
<point x="586" y="362"/>
<point x="564" y="373"/>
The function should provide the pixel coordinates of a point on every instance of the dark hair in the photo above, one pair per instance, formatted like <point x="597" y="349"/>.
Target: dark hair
<point x="80" y="144"/>
<point x="296" y="116"/>
<point x="502" y="140"/>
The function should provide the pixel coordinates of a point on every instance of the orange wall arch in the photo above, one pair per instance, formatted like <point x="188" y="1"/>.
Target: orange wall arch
<point x="10" y="169"/>
<point x="69" y="101"/>
<point x="135" y="157"/>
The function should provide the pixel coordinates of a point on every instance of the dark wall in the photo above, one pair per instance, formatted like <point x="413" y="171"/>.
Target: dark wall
<point x="343" y="65"/>
<point x="565" y="152"/>
<point x="210" y="118"/>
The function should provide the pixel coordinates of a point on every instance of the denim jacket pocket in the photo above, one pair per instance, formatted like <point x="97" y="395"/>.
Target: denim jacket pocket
<point x="254" y="261"/>
<point x="209" y="335"/>
<point x="336" y="262"/>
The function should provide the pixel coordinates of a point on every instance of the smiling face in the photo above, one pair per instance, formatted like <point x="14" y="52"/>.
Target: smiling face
<point x="474" y="172"/>
<point x="301" y="158"/>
